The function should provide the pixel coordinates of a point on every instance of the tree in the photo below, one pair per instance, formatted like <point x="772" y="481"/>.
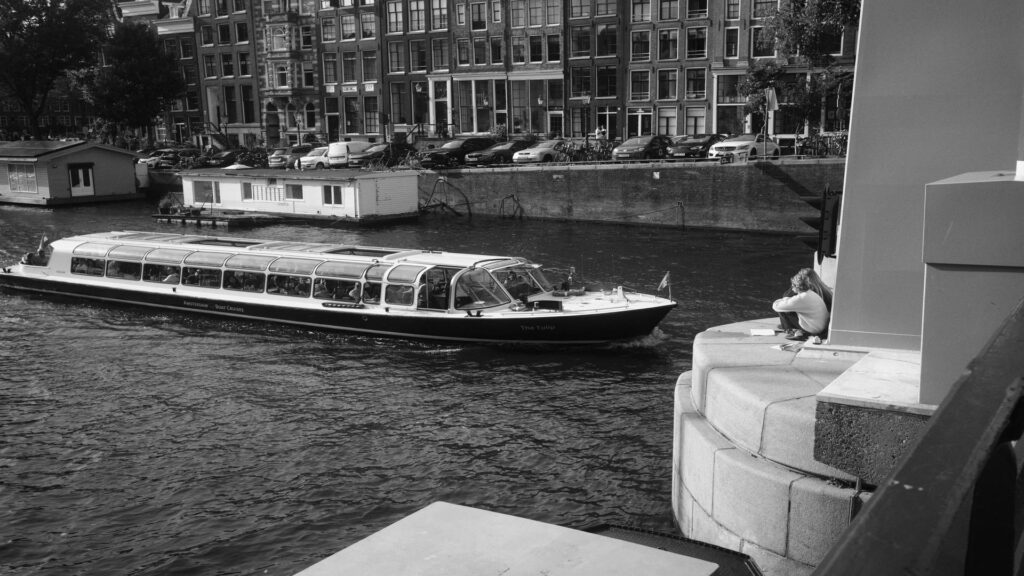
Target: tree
<point x="41" y="40"/>
<point x="805" y="28"/>
<point x="800" y="95"/>
<point x="137" y="81"/>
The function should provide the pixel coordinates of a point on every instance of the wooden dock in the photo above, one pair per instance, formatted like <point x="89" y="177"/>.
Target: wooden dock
<point x="226" y="219"/>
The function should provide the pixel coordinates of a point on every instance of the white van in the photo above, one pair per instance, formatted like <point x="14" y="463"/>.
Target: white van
<point x="337" y="152"/>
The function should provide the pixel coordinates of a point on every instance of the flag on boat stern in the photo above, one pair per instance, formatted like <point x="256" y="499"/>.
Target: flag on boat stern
<point x="664" y="282"/>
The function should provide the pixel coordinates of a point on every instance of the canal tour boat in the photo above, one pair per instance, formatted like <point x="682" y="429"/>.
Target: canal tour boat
<point x="420" y="294"/>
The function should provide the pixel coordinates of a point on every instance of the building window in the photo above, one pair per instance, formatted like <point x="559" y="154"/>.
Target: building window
<point x="462" y="51"/>
<point x="732" y="42"/>
<point x="732" y="9"/>
<point x="518" y="13"/>
<point x="639" y="85"/>
<point x="536" y="48"/>
<point x="696" y="42"/>
<point x="227" y="64"/>
<point x="371" y="118"/>
<point x="308" y="77"/>
<point x="278" y="38"/>
<point x="224" y="34"/>
<point x="417" y="16"/>
<point x="348" y="67"/>
<point x="306" y="33"/>
<point x="480" y="51"/>
<point x="282" y="75"/>
<point x="369" y="23"/>
<point x="209" y="66"/>
<point x="695" y="123"/>
<point x="667" y="120"/>
<point x="241" y="32"/>
<point x="478" y="16"/>
<point x="187" y="49"/>
<point x="418" y="55"/>
<point x="329" y="29"/>
<point x="761" y="46"/>
<point x="22" y="178"/>
<point x="439" y="48"/>
<point x="554" y="47"/>
<point x="668" y="81"/>
<point x="310" y="114"/>
<point x="206" y="35"/>
<point x="536" y="12"/>
<point x="696" y="83"/>
<point x="369" y="65"/>
<point x="581" y="85"/>
<point x="439" y="15"/>
<point x="668" y="44"/>
<point x="239" y="5"/>
<point x="519" y="50"/>
<point x="641" y="10"/>
<point x="641" y="47"/>
<point x="204" y="7"/>
<point x="395" y="23"/>
<point x="396" y="57"/>
<point x="604" y="7"/>
<point x="330" y="68"/>
<point x="231" y="104"/>
<point x="348" y="27"/>
<point x="696" y="8"/>
<point x="668" y="9"/>
<point x="607" y="39"/>
<point x="496" y="11"/>
<point x="460" y="14"/>
<point x="607" y="81"/>
<point x="579" y="41"/>
<point x="243" y="64"/>
<point x="765" y="8"/>
<point x="579" y="8"/>
<point x="497" y="51"/>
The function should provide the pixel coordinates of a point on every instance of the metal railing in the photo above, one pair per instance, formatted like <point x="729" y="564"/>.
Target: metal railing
<point x="954" y="495"/>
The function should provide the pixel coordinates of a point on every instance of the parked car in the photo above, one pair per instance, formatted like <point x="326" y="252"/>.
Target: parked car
<point x="162" y="158"/>
<point x="453" y="153"/>
<point x="288" y="157"/>
<point x="693" y="145"/>
<point x="643" y="147"/>
<point x="315" y="158"/>
<point x="388" y="154"/>
<point x="338" y="153"/>
<point x="222" y="159"/>
<point x="753" y="145"/>
<point x="500" y="153"/>
<point x="546" y="151"/>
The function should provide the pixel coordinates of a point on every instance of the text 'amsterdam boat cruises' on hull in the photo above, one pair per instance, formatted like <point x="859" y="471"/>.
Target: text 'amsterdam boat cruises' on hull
<point x="379" y="291"/>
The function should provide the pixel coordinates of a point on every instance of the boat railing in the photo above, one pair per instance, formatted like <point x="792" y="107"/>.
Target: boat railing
<point x="268" y="193"/>
<point x="951" y="505"/>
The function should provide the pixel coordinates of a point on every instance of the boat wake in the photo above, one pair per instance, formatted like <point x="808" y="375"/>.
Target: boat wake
<point x="655" y="338"/>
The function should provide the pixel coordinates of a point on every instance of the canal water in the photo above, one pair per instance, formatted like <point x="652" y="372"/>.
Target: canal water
<point x="145" y="442"/>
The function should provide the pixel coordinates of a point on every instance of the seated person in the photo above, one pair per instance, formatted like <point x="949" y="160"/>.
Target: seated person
<point x="804" y="309"/>
<point x="172" y="278"/>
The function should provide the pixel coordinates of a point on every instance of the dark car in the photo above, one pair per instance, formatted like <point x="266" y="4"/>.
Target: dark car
<point x="453" y="153"/>
<point x="222" y="159"/>
<point x="643" y="148"/>
<point x="693" y="145"/>
<point x="500" y="153"/>
<point x="288" y="156"/>
<point x="389" y="154"/>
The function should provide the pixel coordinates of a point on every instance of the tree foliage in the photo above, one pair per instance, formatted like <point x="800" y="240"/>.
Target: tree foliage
<point x="803" y="28"/>
<point x="138" y="80"/>
<point x="41" y="40"/>
<point x="801" y="95"/>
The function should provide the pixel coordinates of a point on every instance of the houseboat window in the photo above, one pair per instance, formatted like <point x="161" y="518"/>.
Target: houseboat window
<point x="206" y="192"/>
<point x="207" y="258"/>
<point x="87" y="266"/>
<point x="293" y="191"/>
<point x="288" y="285"/>
<point x="330" y="289"/>
<point x="92" y="249"/>
<point x="22" y="177"/>
<point x="333" y="195"/>
<point x="204" y="277"/>
<point x="342" y="269"/>
<point x="294" y="265"/>
<point x="404" y="273"/>
<point x="124" y="270"/>
<point x="249" y="261"/>
<point x="168" y="255"/>
<point x="128" y="252"/>
<point x="161" y="273"/>
<point x="244" y="281"/>
<point x="478" y="289"/>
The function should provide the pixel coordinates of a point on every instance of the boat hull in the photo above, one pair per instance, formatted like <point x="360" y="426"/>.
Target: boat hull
<point x="525" y="327"/>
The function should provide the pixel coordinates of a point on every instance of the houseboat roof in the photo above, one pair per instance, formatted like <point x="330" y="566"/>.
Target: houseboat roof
<point x="332" y="175"/>
<point x="30" y="149"/>
<point x="347" y="252"/>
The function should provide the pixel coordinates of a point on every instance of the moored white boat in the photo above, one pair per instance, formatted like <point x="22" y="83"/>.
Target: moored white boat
<point x="418" y="294"/>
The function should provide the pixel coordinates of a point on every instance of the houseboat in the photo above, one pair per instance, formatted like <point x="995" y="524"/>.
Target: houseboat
<point x="420" y="294"/>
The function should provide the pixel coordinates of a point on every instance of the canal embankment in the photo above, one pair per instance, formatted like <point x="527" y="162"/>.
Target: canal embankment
<point x="756" y="196"/>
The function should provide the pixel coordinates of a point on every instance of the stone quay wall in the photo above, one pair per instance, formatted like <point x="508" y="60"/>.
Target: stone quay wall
<point x="757" y="196"/>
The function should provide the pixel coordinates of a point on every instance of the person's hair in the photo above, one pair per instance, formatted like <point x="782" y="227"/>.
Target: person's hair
<point x="807" y="279"/>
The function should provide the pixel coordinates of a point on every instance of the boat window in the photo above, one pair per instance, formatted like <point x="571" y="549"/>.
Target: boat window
<point x="478" y="289"/>
<point x="234" y="242"/>
<point x="359" y="251"/>
<point x="523" y="281"/>
<point x="161" y="273"/>
<point x="436" y="288"/>
<point x="168" y="255"/>
<point x="249" y="261"/>
<point x="329" y="289"/>
<point x="371" y="292"/>
<point x="294" y="265"/>
<point x="204" y="277"/>
<point x="244" y="281"/>
<point x="342" y="269"/>
<point x="92" y="249"/>
<point x="128" y="252"/>
<point x="405" y="273"/>
<point x="124" y="270"/>
<point x="207" y="258"/>
<point x="287" y="285"/>
<point x="87" y="266"/>
<point x="377" y="272"/>
<point x="399" y="294"/>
